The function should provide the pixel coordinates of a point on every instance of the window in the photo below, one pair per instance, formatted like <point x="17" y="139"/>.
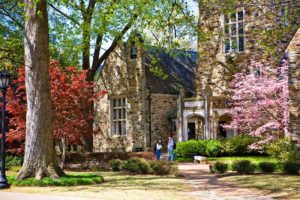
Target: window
<point x="234" y="32"/>
<point x="133" y="52"/>
<point x="118" y="116"/>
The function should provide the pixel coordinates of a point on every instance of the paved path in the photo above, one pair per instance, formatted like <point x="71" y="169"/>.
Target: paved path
<point x="207" y="186"/>
<point x="26" y="196"/>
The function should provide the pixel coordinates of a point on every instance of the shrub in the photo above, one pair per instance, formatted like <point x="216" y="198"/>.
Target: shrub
<point x="291" y="167"/>
<point x="213" y="148"/>
<point x="198" y="147"/>
<point x="137" y="165"/>
<point x="239" y="145"/>
<point x="283" y="150"/>
<point x="13" y="161"/>
<point x="116" y="164"/>
<point x="220" y="167"/>
<point x="243" y="167"/>
<point x="267" y="167"/>
<point x="161" y="167"/>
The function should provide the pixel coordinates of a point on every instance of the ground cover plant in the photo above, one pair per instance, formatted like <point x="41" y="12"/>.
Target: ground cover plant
<point x="71" y="179"/>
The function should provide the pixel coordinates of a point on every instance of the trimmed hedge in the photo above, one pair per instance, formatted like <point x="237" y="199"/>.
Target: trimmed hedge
<point x="267" y="167"/>
<point x="243" y="167"/>
<point x="235" y="146"/>
<point x="291" y="167"/>
<point x="137" y="165"/>
<point x="209" y="148"/>
<point x="239" y="145"/>
<point x="220" y="167"/>
<point x="116" y="164"/>
<point x="161" y="167"/>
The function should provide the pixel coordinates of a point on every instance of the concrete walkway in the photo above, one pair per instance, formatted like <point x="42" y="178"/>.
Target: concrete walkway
<point x="207" y="186"/>
<point x="26" y="196"/>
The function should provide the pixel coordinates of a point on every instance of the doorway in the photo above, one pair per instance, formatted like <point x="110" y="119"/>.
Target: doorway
<point x="191" y="130"/>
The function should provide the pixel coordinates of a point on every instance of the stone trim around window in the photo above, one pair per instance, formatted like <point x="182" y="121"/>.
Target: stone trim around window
<point x="118" y="116"/>
<point x="234" y="32"/>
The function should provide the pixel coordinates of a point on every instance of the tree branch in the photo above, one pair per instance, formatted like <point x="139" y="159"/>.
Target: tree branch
<point x="94" y="69"/>
<point x="64" y="14"/>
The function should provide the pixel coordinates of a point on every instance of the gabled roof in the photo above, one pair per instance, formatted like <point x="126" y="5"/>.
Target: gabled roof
<point x="179" y="67"/>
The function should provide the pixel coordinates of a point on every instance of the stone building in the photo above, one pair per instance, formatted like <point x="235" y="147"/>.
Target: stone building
<point x="232" y="41"/>
<point x="189" y="98"/>
<point x="143" y="89"/>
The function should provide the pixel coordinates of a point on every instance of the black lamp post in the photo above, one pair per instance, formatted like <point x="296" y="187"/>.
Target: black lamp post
<point x="4" y="80"/>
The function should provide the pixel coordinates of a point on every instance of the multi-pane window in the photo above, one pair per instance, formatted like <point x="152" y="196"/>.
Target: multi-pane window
<point x="234" y="32"/>
<point x="118" y="116"/>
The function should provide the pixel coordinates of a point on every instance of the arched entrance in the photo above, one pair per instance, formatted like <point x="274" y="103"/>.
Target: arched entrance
<point x="224" y="132"/>
<point x="195" y="127"/>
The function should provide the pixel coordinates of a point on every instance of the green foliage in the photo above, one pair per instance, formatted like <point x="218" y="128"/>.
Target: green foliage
<point x="267" y="167"/>
<point x="220" y="167"/>
<point x="243" y="167"/>
<point x="238" y="145"/>
<point x="198" y="147"/>
<point x="137" y="165"/>
<point x="283" y="150"/>
<point x="160" y="167"/>
<point x="13" y="161"/>
<point x="291" y="167"/>
<point x="116" y="164"/>
<point x="68" y="180"/>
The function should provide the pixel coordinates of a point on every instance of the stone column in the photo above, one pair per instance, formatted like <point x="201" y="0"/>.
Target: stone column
<point x="207" y="95"/>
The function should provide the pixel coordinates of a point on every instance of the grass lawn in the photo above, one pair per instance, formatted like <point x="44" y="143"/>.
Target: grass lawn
<point x="254" y="159"/>
<point x="120" y="186"/>
<point x="281" y="186"/>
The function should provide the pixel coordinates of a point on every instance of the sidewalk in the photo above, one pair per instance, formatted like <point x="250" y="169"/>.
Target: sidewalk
<point x="25" y="196"/>
<point x="207" y="186"/>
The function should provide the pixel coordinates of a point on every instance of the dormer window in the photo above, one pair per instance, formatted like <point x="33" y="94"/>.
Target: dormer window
<point x="234" y="32"/>
<point x="133" y="52"/>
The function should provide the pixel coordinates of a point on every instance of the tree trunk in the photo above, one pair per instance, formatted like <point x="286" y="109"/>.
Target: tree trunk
<point x="40" y="157"/>
<point x="63" y="155"/>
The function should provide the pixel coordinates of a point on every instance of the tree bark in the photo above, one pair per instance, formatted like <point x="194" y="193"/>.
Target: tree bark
<point x="40" y="157"/>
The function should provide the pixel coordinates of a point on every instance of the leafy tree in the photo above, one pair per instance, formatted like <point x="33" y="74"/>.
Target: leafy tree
<point x="259" y="101"/>
<point x="40" y="157"/>
<point x="70" y="95"/>
<point x="91" y="30"/>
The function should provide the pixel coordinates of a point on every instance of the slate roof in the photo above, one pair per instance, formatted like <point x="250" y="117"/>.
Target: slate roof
<point x="179" y="68"/>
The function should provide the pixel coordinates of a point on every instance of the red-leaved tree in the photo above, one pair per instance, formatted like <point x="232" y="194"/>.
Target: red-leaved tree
<point x="259" y="101"/>
<point x="71" y="95"/>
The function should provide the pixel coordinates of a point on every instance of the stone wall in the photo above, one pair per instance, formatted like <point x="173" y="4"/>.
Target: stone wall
<point x="293" y="54"/>
<point x="163" y="107"/>
<point x="264" y="38"/>
<point x="122" y="77"/>
<point x="265" y="41"/>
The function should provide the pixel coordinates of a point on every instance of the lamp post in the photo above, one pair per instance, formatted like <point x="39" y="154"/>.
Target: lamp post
<point x="4" y="80"/>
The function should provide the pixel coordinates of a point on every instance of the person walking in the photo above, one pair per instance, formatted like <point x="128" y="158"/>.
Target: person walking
<point x="158" y="149"/>
<point x="171" y="145"/>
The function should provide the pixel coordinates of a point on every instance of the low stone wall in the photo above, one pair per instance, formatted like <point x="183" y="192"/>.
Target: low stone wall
<point x="99" y="160"/>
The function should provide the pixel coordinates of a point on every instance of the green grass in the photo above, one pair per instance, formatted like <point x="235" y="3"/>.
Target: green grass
<point x="67" y="180"/>
<point x="280" y="186"/>
<point x="254" y="159"/>
<point x="119" y="185"/>
<point x="184" y="159"/>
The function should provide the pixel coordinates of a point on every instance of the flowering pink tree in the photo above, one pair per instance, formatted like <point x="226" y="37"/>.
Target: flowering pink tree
<point x="259" y="101"/>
